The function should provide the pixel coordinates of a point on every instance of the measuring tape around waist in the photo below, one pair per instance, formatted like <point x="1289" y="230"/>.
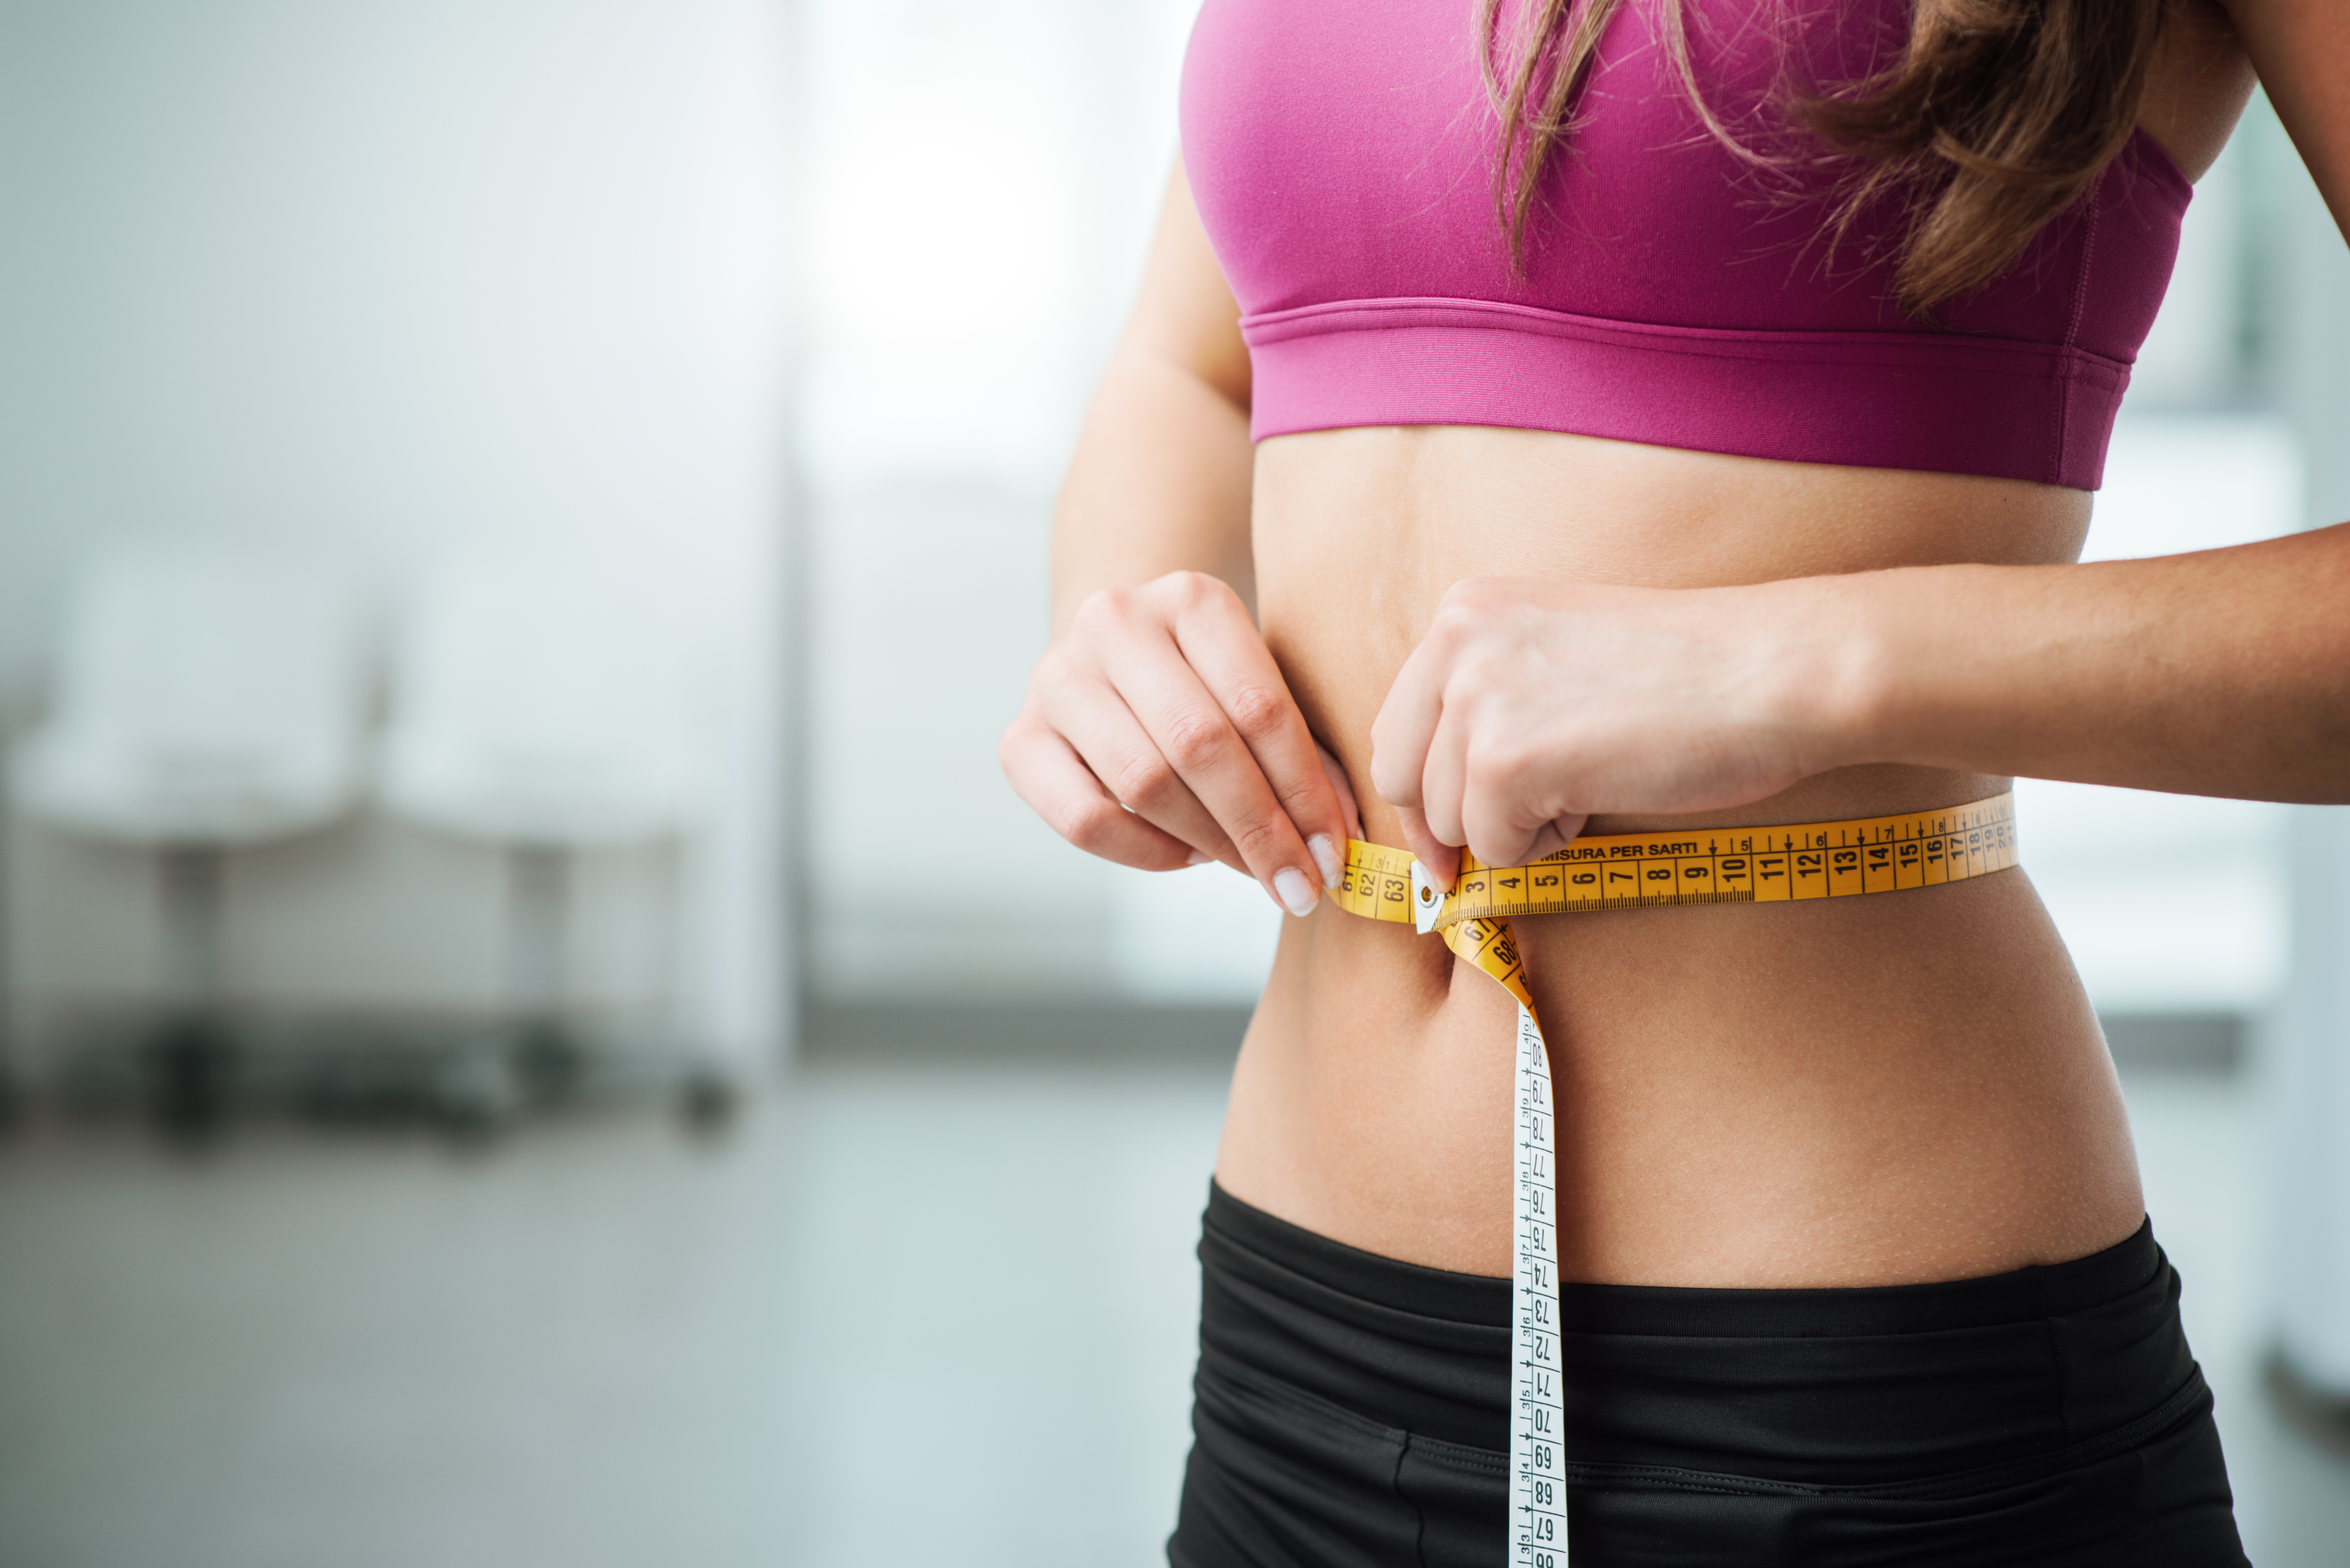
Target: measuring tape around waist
<point x="1630" y="871"/>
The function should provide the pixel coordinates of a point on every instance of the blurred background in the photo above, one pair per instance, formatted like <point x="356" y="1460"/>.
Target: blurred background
<point x="534" y="1030"/>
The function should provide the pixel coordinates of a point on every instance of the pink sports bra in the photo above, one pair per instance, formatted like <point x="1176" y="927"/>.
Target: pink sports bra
<point x="1339" y="152"/>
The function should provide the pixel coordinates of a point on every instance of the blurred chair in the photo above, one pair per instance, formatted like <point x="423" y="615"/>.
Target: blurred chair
<point x="541" y="705"/>
<point x="205" y="701"/>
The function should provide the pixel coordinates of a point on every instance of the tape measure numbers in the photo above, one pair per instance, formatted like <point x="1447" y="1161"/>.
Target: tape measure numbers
<point x="1630" y="871"/>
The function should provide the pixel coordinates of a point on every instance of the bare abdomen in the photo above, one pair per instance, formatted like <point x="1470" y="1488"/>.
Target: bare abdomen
<point x="1897" y="1088"/>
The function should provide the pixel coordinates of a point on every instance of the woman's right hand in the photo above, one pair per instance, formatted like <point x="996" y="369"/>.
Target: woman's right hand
<point x="1159" y="733"/>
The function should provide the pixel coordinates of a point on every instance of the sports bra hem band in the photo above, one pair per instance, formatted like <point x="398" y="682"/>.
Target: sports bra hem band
<point x="1804" y="348"/>
<point x="2042" y="415"/>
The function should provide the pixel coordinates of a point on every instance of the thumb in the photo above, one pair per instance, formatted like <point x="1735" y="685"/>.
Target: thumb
<point x="1441" y="861"/>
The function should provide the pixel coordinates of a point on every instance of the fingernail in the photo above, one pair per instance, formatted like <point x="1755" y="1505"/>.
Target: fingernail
<point x="1298" y="895"/>
<point x="1326" y="856"/>
<point x="1197" y="859"/>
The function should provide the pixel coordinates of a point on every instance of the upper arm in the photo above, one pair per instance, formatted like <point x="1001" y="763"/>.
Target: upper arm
<point x="1185" y="314"/>
<point x="2197" y="84"/>
<point x="1160" y="478"/>
<point x="2302" y="50"/>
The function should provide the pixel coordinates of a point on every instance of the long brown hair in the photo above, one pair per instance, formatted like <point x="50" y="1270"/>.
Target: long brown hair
<point x="1999" y="115"/>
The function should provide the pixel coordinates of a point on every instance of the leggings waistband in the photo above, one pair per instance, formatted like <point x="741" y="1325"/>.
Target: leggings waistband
<point x="2040" y="1291"/>
<point x="1872" y="1383"/>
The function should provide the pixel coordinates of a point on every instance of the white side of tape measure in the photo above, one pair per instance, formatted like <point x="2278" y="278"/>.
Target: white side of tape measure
<point x="1537" y="1458"/>
<point x="1427" y="900"/>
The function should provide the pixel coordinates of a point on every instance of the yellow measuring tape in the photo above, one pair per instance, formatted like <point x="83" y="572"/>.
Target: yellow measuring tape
<point x="1630" y="871"/>
<point x="1704" y="865"/>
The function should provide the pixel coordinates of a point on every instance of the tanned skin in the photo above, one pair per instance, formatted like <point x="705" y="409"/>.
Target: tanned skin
<point x="1448" y="636"/>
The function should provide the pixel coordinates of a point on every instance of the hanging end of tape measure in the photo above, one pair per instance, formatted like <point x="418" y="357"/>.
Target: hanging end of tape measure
<point x="1427" y="900"/>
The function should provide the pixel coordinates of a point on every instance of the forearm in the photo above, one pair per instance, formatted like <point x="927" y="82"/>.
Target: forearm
<point x="1160" y="483"/>
<point x="2222" y="673"/>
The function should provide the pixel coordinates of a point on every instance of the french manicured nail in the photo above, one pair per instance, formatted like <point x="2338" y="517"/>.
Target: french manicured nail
<point x="1298" y="895"/>
<point x="1197" y="859"/>
<point x="1326" y="856"/>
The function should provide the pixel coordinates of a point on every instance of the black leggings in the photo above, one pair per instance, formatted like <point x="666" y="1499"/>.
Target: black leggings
<point x="1350" y="1411"/>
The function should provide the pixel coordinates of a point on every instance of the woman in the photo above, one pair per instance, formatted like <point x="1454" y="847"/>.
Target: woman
<point x="1710" y="447"/>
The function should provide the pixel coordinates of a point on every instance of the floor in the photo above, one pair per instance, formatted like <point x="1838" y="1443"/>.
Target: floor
<point x="905" y="1308"/>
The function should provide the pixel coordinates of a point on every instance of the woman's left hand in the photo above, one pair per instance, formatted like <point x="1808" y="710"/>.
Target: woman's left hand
<point x="1532" y="704"/>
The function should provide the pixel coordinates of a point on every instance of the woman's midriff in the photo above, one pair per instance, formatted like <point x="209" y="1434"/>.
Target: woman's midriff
<point x="1885" y="1090"/>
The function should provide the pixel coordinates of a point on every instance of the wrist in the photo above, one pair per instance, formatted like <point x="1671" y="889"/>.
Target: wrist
<point x="1842" y="685"/>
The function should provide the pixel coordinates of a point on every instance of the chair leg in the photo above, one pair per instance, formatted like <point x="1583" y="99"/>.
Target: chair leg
<point x="189" y="1060"/>
<point x="474" y="1091"/>
<point x="708" y="1102"/>
<point x="189" y="1071"/>
<point x="546" y="1052"/>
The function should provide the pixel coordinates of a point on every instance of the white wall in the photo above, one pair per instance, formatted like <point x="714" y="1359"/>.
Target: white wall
<point x="2194" y="356"/>
<point x="983" y="177"/>
<point x="373" y="281"/>
<point x="2306" y="1049"/>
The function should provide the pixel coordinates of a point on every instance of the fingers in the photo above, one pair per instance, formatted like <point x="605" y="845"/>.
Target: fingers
<point x="1401" y="734"/>
<point x="1555" y="835"/>
<point x="1413" y="767"/>
<point x="1482" y="814"/>
<point x="1195" y="753"/>
<point x="1409" y="767"/>
<point x="1128" y="766"/>
<point x="1494" y="831"/>
<point x="1219" y="642"/>
<point x="1438" y="759"/>
<point x="1495" y="793"/>
<point x="1443" y="779"/>
<point x="1046" y="773"/>
<point x="1167" y="696"/>
<point x="1441" y="860"/>
<point x="1345" y="788"/>
<point x="1217" y="709"/>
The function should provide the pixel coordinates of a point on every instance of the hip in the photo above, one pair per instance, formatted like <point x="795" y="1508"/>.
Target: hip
<point x="1877" y="1091"/>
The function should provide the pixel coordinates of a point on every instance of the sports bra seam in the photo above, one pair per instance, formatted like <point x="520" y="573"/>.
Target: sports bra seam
<point x="2166" y="170"/>
<point x="2072" y="323"/>
<point x="1266" y="329"/>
